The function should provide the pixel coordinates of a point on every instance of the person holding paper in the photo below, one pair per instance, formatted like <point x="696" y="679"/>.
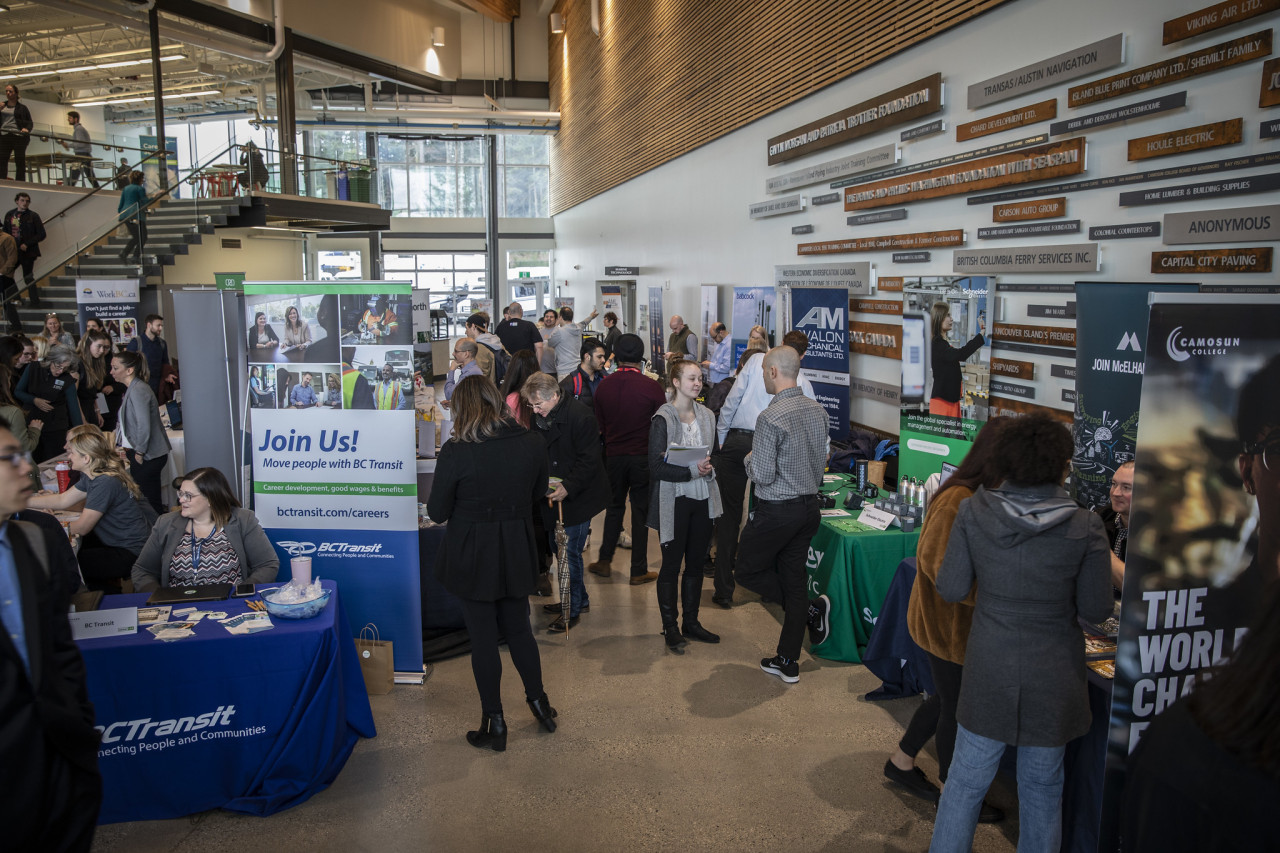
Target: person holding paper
<point x="208" y="539"/>
<point x="684" y="501"/>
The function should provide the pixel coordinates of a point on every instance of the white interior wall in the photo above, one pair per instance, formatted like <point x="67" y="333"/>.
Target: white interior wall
<point x="260" y="258"/>
<point x="686" y="222"/>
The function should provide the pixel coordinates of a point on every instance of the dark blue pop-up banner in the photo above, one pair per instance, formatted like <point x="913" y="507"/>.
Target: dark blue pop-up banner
<point x="822" y="314"/>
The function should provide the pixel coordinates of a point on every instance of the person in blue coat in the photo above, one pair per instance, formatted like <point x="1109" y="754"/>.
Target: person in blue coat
<point x="132" y="212"/>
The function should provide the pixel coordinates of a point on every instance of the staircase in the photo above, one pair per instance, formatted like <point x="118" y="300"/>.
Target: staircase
<point x="173" y="226"/>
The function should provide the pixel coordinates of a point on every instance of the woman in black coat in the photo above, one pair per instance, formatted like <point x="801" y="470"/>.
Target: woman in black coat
<point x="945" y="361"/>
<point x="489" y="559"/>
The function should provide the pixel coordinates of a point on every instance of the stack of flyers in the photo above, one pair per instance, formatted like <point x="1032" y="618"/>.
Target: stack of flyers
<point x="149" y="615"/>
<point x="192" y="615"/>
<point x="248" y="623"/>
<point x="171" y="630"/>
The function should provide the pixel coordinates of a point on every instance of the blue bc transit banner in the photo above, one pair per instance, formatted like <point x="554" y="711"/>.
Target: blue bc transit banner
<point x="822" y="314"/>
<point x="334" y="460"/>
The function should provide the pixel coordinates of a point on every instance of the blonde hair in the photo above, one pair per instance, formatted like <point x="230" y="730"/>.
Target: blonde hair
<point x="41" y="344"/>
<point x="103" y="461"/>
<point x="540" y="386"/>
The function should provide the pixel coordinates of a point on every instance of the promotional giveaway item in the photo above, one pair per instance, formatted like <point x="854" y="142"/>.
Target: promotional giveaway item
<point x="375" y="660"/>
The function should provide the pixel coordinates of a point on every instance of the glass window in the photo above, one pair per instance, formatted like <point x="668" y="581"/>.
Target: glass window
<point x="397" y="262"/>
<point x="521" y="150"/>
<point x="525" y="191"/>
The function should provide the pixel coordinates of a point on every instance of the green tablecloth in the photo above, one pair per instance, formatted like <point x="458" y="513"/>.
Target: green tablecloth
<point x="853" y="565"/>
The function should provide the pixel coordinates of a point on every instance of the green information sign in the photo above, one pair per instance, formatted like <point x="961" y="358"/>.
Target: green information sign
<point x="926" y="441"/>
<point x="229" y="280"/>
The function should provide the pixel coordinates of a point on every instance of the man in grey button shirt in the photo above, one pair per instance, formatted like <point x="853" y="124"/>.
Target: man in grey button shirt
<point x="81" y="147"/>
<point x="787" y="458"/>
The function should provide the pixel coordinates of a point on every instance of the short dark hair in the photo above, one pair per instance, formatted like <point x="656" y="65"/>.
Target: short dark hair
<point x="136" y="177"/>
<point x="716" y="327"/>
<point x="73" y="114"/>
<point x="611" y="317"/>
<point x="566" y="314"/>
<point x="1259" y="405"/>
<point x="589" y="346"/>
<point x="1036" y="449"/>
<point x="22" y="195"/>
<point x="479" y="319"/>
<point x="797" y="340"/>
<point x="150" y="317"/>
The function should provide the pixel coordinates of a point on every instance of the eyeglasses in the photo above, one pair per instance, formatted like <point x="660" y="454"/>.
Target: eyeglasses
<point x="183" y="497"/>
<point x="50" y="314"/>
<point x="1268" y="449"/>
<point x="17" y="457"/>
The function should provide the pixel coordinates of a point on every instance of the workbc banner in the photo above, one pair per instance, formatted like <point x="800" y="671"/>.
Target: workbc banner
<point x="114" y="301"/>
<point x="822" y="314"/>
<point x="334" y="463"/>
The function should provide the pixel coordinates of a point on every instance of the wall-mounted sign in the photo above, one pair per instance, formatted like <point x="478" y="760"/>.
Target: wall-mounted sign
<point x="1269" y="129"/>
<point x="1052" y="336"/>
<point x="902" y="105"/>
<point x="1069" y="395"/>
<point x="1214" y="17"/>
<point x="1033" y="349"/>
<point x="1126" y="231"/>
<point x="1042" y="287"/>
<point x="1213" y="58"/>
<point x="889" y="284"/>
<point x="1005" y="121"/>
<point x="1032" y="164"/>
<point x="1057" y="312"/>
<point x="876" y="306"/>
<point x="1233" y="225"/>
<point x="912" y="257"/>
<point x="878" y="216"/>
<point x="1012" y="389"/>
<point x="1013" y="369"/>
<point x="957" y="157"/>
<point x="1210" y="189"/>
<point x="621" y="272"/>
<point x="1270" y="94"/>
<point x="923" y="130"/>
<point x="1255" y="259"/>
<point x="777" y="207"/>
<point x="1240" y="288"/>
<point x="1066" y="226"/>
<point x="802" y="229"/>
<point x="1089" y="59"/>
<point x="1063" y="371"/>
<point x="922" y="240"/>
<point x="863" y="161"/>
<point x="869" y="390"/>
<point x="1162" y="104"/>
<point x="1068" y="257"/>
<point x="1044" y="208"/>
<point x="825" y="198"/>
<point x="879" y="339"/>
<point x="1004" y="407"/>
<point x="1213" y="135"/>
<point x="855" y="276"/>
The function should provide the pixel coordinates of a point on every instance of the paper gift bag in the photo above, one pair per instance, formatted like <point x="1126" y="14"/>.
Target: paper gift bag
<point x="375" y="660"/>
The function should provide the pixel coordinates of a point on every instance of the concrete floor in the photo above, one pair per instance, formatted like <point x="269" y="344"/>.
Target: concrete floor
<point x="654" y="751"/>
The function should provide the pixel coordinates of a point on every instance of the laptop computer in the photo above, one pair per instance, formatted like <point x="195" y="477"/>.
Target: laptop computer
<point x="187" y="594"/>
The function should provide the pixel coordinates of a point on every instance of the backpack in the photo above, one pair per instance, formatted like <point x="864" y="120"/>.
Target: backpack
<point x="718" y="394"/>
<point x="501" y="361"/>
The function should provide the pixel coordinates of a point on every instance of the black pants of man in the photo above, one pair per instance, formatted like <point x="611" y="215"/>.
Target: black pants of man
<point x="489" y="622"/>
<point x="73" y="176"/>
<point x="103" y="565"/>
<point x="15" y="144"/>
<point x="69" y="798"/>
<point x="774" y="546"/>
<point x="137" y="239"/>
<point x="27" y="263"/>
<point x="147" y="476"/>
<point x="731" y="476"/>
<point x="628" y="477"/>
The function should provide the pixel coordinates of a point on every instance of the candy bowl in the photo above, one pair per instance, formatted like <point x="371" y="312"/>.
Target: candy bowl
<point x="300" y="610"/>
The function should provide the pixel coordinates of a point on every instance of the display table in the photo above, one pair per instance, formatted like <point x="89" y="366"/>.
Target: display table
<point x="252" y="724"/>
<point x="853" y="566"/>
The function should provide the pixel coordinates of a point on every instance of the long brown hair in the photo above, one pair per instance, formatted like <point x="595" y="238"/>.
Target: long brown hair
<point x="95" y="369"/>
<point x="938" y="312"/>
<point x="478" y="409"/>
<point x="979" y="467"/>
<point x="103" y="461"/>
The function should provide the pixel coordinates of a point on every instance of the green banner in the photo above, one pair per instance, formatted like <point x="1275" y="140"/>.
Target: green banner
<point x="927" y="441"/>
<point x="229" y="280"/>
<point x="365" y="489"/>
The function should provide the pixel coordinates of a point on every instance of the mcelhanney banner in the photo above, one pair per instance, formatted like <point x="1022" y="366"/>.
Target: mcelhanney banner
<point x="334" y="463"/>
<point x="1111" y="344"/>
<point x="1205" y="528"/>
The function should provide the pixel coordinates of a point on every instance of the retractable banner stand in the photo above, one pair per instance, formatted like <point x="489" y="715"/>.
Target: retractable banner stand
<point x="657" y="327"/>
<point x="334" y="466"/>
<point x="1204" y="535"/>
<point x="753" y="306"/>
<point x="1111" y="344"/>
<point x="114" y="301"/>
<point x="822" y="313"/>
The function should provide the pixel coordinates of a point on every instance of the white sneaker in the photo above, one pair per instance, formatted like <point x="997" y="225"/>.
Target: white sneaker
<point x="624" y="540"/>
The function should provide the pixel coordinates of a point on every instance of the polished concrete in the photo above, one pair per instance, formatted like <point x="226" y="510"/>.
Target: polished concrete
<point x="654" y="751"/>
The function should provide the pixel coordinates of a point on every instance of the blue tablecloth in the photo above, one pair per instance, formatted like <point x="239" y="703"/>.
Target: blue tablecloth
<point x="891" y="654"/>
<point x="252" y="724"/>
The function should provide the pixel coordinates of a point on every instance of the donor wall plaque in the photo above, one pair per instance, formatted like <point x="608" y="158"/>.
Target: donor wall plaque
<point x="1067" y="257"/>
<point x="1052" y="336"/>
<point x="1044" y="208"/>
<point x="863" y="161"/>
<point x="1214" y="17"/>
<point x="1257" y="259"/>
<point x="1198" y="138"/>
<point x="899" y="106"/>
<point x="1270" y="94"/>
<point x="1232" y="225"/>
<point x="922" y="240"/>
<point x="1042" y="111"/>
<point x="777" y="206"/>
<point x="1089" y="59"/>
<point x="880" y="339"/>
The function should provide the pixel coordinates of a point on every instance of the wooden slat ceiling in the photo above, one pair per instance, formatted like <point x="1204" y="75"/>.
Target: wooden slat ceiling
<point x="665" y="77"/>
<point x="502" y="11"/>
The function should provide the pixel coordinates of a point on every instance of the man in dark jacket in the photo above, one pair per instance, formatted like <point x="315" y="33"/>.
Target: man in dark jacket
<point x="48" y="745"/>
<point x="578" y="488"/>
<point x="582" y="383"/>
<point x="27" y="229"/>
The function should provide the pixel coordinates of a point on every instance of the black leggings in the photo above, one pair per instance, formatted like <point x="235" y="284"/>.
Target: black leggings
<point x="487" y="621"/>
<point x="101" y="562"/>
<point x="692" y="535"/>
<point x="147" y="476"/>
<point x="936" y="716"/>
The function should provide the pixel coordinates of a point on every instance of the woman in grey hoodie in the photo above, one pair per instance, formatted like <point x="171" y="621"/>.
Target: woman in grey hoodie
<point x="1038" y="561"/>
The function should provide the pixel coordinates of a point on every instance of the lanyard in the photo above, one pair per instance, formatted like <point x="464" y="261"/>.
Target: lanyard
<point x="197" y="544"/>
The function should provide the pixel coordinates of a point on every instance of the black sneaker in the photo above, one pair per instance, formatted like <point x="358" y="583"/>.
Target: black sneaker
<point x="913" y="780"/>
<point x="990" y="813"/>
<point x="788" y="672"/>
<point x="819" y="619"/>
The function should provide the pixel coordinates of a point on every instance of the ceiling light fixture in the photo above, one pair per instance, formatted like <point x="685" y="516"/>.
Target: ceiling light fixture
<point x="437" y="37"/>
<point x="139" y="99"/>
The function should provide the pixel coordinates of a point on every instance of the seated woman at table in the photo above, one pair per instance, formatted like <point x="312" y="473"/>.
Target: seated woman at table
<point x="1039" y="561"/>
<point x="116" y="519"/>
<point x="140" y="432"/>
<point x="488" y="557"/>
<point x="261" y="338"/>
<point x="49" y="392"/>
<point x="209" y="539"/>
<point x="940" y="628"/>
<point x="297" y="331"/>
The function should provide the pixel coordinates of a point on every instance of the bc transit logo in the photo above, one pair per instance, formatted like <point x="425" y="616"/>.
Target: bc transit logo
<point x="296" y="549"/>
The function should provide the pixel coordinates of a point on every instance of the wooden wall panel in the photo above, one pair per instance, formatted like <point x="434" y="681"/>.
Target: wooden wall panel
<point x="664" y="78"/>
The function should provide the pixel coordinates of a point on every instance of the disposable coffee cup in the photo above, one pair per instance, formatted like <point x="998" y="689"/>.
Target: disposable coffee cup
<point x="301" y="571"/>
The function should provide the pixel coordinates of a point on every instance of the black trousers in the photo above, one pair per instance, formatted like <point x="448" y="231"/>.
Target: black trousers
<point x="731" y="475"/>
<point x="923" y="725"/>
<point x="86" y="169"/>
<point x="100" y="562"/>
<point x="51" y="442"/>
<point x="147" y="476"/>
<point x="774" y="545"/>
<point x="628" y="477"/>
<point x="946" y="681"/>
<point x="137" y="238"/>
<point x="14" y="144"/>
<point x="689" y="543"/>
<point x="67" y="815"/>
<point x="488" y="622"/>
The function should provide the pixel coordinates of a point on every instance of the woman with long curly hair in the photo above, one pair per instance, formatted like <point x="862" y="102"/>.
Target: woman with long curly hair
<point x="95" y="375"/>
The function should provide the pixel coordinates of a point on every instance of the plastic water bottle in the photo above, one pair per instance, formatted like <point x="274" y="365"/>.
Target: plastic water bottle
<point x="63" y="470"/>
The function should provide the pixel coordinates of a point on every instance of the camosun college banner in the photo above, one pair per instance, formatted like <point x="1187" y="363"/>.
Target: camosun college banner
<point x="334" y="463"/>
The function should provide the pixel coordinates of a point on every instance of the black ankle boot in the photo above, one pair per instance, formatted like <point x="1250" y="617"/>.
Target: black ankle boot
<point x="541" y="708"/>
<point x="691" y="599"/>
<point x="667" y="610"/>
<point x="492" y="734"/>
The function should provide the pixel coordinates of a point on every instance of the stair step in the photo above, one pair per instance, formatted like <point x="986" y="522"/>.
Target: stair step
<point x="116" y="270"/>
<point x="154" y="247"/>
<point x="94" y="262"/>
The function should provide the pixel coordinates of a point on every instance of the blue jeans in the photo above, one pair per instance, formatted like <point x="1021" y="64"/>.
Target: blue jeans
<point x="973" y="767"/>
<point x="577" y="589"/>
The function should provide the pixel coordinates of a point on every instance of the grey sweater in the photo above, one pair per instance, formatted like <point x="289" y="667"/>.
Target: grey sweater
<point x="664" y="476"/>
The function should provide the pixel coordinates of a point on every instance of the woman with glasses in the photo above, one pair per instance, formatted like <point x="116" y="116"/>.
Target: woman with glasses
<point x="48" y="390"/>
<point x="209" y="539"/>
<point x="54" y="333"/>
<point x="139" y="431"/>
<point x="115" y="521"/>
<point x="27" y="432"/>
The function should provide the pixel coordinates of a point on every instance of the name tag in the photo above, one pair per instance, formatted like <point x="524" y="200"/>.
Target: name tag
<point x="103" y="623"/>
<point x="877" y="518"/>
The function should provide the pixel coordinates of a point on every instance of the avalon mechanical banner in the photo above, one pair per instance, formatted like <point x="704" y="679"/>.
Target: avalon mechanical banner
<point x="334" y="466"/>
<point x="822" y="314"/>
